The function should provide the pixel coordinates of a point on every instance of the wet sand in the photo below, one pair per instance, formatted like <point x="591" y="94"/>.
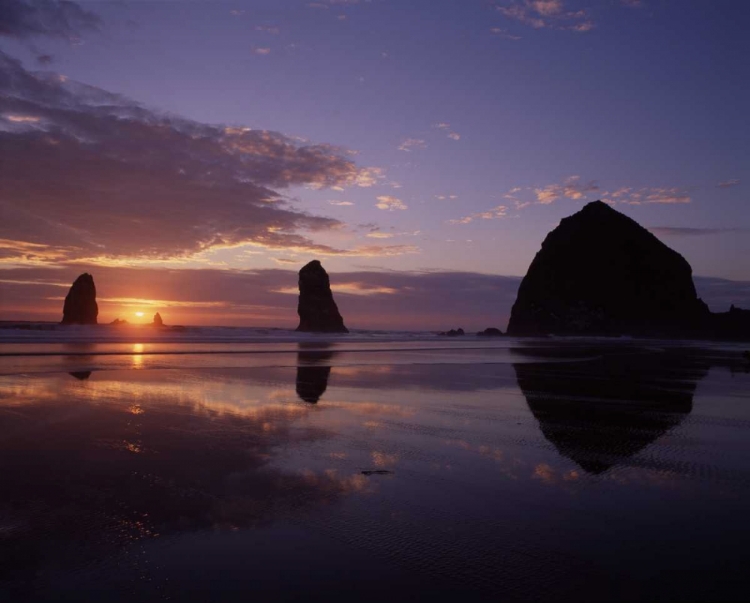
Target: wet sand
<point x="546" y="471"/>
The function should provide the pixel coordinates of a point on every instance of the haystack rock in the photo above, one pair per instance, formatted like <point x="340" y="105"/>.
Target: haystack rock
<point x="600" y="273"/>
<point x="80" y="306"/>
<point x="158" y="322"/>
<point x="317" y="311"/>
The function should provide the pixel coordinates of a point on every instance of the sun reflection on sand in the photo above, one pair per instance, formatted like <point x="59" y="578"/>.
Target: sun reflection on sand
<point x="138" y="349"/>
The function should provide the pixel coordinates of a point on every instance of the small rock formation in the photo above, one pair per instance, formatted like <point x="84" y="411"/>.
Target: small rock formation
<point x="734" y="324"/>
<point x="600" y="273"/>
<point x="317" y="311"/>
<point x="117" y="322"/>
<point x="490" y="332"/>
<point x="452" y="333"/>
<point x="80" y="306"/>
<point x="158" y="322"/>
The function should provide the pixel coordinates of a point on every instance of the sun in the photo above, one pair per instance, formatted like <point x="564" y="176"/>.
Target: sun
<point x="139" y="314"/>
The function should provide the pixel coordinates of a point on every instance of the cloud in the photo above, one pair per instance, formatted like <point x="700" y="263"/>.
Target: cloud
<point x="644" y="196"/>
<point x="262" y="51"/>
<point x="390" y="203"/>
<point x="447" y="128"/>
<point x="571" y="188"/>
<point x="53" y="18"/>
<point x="121" y="182"/>
<point x="679" y="231"/>
<point x="45" y="59"/>
<point x="412" y="143"/>
<point x="503" y="33"/>
<point x="728" y="183"/>
<point x="341" y="203"/>
<point x="551" y="14"/>
<point x="493" y="214"/>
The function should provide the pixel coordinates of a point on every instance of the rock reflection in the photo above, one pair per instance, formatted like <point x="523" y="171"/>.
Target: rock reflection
<point x="312" y="379"/>
<point x="80" y="375"/>
<point x="600" y="412"/>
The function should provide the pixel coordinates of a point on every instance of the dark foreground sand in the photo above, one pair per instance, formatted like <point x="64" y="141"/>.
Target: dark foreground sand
<point x="569" y="471"/>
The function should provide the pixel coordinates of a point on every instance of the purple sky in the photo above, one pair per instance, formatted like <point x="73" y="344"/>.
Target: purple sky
<point x="422" y="137"/>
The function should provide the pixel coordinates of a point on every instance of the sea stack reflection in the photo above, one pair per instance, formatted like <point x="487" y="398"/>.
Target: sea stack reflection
<point x="317" y="311"/>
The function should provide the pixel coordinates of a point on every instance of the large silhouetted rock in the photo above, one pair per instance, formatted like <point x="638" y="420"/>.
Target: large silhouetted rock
<point x="317" y="311"/>
<point x="80" y="306"/>
<point x="600" y="273"/>
<point x="158" y="322"/>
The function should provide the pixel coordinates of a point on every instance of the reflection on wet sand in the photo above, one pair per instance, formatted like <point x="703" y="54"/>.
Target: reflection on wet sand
<point x="104" y="466"/>
<point x="425" y="480"/>
<point x="80" y="375"/>
<point x="312" y="379"/>
<point x="600" y="412"/>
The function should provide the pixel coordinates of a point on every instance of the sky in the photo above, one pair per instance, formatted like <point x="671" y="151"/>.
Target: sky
<point x="193" y="155"/>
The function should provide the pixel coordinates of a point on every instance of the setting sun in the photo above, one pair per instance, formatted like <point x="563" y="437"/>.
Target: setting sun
<point x="139" y="314"/>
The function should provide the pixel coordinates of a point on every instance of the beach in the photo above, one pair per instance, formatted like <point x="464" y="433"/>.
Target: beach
<point x="373" y="466"/>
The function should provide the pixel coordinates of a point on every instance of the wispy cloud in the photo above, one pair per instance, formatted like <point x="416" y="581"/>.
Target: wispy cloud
<point x="679" y="231"/>
<point x="729" y="183"/>
<point x="492" y="214"/>
<point x="389" y="203"/>
<point x="262" y="51"/>
<point x="551" y="14"/>
<point x="412" y="143"/>
<point x="268" y="29"/>
<point x="645" y="196"/>
<point x="446" y="127"/>
<point x="571" y="188"/>
<point x="503" y="33"/>
<point x="341" y="203"/>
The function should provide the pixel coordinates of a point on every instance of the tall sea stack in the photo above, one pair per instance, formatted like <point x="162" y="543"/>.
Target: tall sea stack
<point x="600" y="273"/>
<point x="80" y="306"/>
<point x="317" y="311"/>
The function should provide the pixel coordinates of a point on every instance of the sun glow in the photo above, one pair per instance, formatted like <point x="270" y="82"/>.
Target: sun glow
<point x="139" y="314"/>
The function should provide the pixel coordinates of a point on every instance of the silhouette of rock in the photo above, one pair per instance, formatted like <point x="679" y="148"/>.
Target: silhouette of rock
<point x="312" y="381"/>
<point x="317" y="311"/>
<point x="81" y="375"/>
<point x="117" y="322"/>
<point x="490" y="332"/>
<point x="599" y="413"/>
<point x="452" y="333"/>
<point x="80" y="306"/>
<point x="734" y="324"/>
<point x="158" y="322"/>
<point x="600" y="273"/>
